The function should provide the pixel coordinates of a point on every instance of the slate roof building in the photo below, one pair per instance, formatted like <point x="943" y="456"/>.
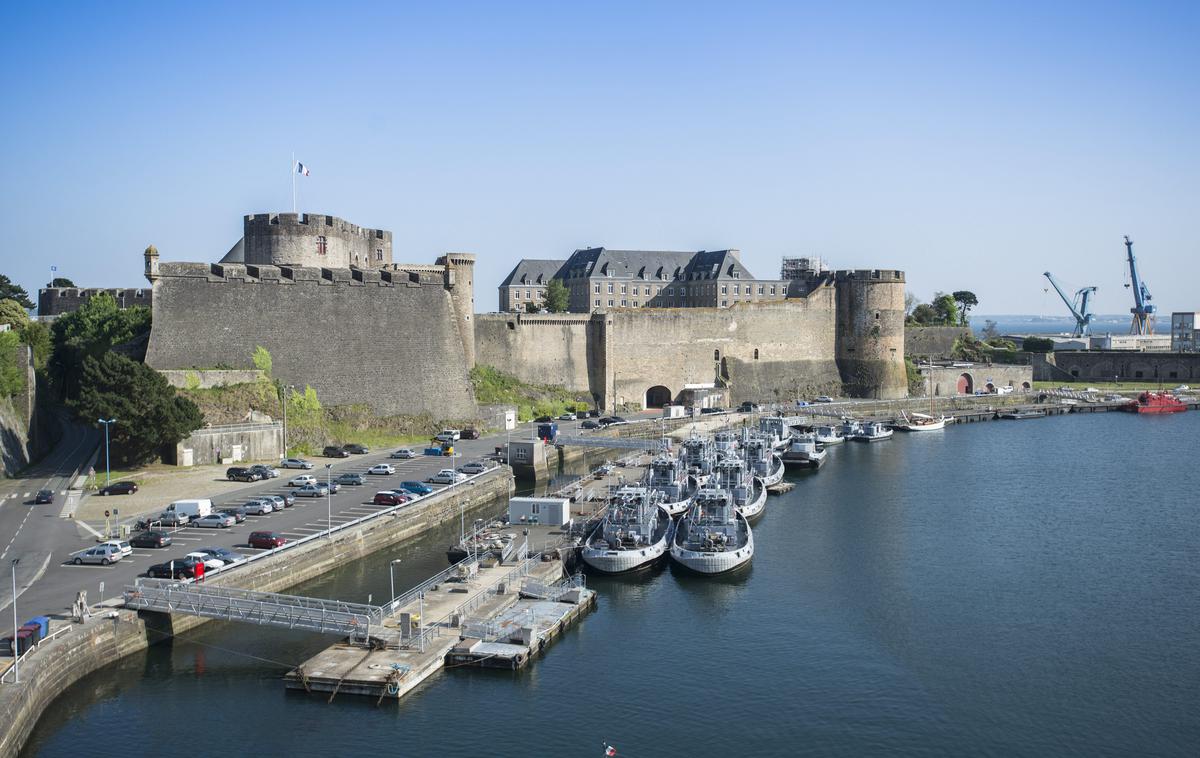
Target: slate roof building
<point x="598" y="278"/>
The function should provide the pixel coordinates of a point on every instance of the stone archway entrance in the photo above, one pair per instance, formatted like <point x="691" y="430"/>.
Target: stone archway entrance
<point x="657" y="396"/>
<point x="966" y="385"/>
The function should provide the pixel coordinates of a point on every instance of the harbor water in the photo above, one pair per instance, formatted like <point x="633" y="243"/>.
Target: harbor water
<point x="1015" y="588"/>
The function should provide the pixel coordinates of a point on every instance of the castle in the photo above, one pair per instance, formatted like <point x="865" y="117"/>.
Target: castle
<point x="337" y="313"/>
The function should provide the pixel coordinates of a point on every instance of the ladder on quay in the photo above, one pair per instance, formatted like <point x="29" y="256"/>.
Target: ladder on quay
<point x="263" y="608"/>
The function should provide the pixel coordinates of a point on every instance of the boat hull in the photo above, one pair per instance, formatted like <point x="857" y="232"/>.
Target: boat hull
<point x="712" y="564"/>
<point x="615" y="562"/>
<point x="806" y="460"/>
<point x="757" y="507"/>
<point x="776" y="475"/>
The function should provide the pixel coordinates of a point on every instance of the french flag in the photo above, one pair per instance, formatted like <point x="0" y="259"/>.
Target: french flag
<point x="301" y="169"/>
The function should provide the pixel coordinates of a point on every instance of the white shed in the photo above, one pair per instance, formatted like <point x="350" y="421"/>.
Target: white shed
<point x="552" y="511"/>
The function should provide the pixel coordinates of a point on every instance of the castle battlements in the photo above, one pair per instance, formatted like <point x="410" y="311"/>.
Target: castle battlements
<point x="312" y="221"/>
<point x="865" y="274"/>
<point x="431" y="276"/>
<point x="311" y="239"/>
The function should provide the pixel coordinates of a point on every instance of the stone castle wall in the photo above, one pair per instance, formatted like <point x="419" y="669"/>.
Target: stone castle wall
<point x="387" y="339"/>
<point x="1129" y="365"/>
<point x="539" y="349"/>
<point x="55" y="301"/>
<point x="932" y="341"/>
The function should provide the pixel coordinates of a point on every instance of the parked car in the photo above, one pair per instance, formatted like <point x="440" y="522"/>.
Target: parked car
<point x="823" y="399"/>
<point x="43" y="496"/>
<point x="264" y="471"/>
<point x="416" y="488"/>
<point x="313" y="490"/>
<point x="180" y="568"/>
<point x="237" y="511"/>
<point x="593" y="413"/>
<point x="333" y="451"/>
<point x="446" y="476"/>
<point x="302" y="480"/>
<point x="389" y="497"/>
<point x="152" y="538"/>
<point x="349" y="478"/>
<point x="102" y="554"/>
<point x="119" y="488"/>
<point x="714" y="409"/>
<point x="173" y="518"/>
<point x="748" y="407"/>
<point x="403" y="453"/>
<point x="355" y="448"/>
<point x="449" y="435"/>
<point x="543" y="419"/>
<point x="295" y="463"/>
<point x="470" y="433"/>
<point x="240" y="474"/>
<point x="382" y="468"/>
<point x="215" y="521"/>
<point x="259" y="507"/>
<point x="567" y="417"/>
<point x="224" y="554"/>
<point x="122" y="546"/>
<point x="589" y="424"/>
<point x="474" y="467"/>
<point x="333" y="486"/>
<point x="266" y="540"/>
<point x="286" y="500"/>
<point x="210" y="561"/>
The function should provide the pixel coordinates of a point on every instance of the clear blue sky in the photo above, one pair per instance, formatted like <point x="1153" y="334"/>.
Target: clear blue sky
<point x="973" y="145"/>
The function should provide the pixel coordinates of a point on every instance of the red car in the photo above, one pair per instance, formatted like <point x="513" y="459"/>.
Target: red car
<point x="389" y="498"/>
<point x="266" y="540"/>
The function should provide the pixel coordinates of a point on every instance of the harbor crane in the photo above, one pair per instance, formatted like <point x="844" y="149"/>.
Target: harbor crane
<point x="1080" y="306"/>
<point x="1142" y="310"/>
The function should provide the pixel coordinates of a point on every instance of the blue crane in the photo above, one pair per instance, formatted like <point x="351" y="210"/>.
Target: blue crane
<point x="1080" y="307"/>
<point x="1142" y="310"/>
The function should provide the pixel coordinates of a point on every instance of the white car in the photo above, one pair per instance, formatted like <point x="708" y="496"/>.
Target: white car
<point x="209" y="561"/>
<point x="313" y="490"/>
<point x="302" y="480"/>
<point x="102" y="554"/>
<point x="568" y="417"/>
<point x="122" y="546"/>
<point x="449" y="435"/>
<point x="295" y="463"/>
<point x="259" y="507"/>
<point x="382" y="468"/>
<point x="447" y="476"/>
<point x="474" y="467"/>
<point x="404" y="453"/>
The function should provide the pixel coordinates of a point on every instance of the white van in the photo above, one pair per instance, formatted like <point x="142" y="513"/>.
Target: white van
<point x="449" y="435"/>
<point x="193" y="509"/>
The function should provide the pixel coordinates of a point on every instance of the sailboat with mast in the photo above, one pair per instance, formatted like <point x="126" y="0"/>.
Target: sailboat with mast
<point x="920" y="422"/>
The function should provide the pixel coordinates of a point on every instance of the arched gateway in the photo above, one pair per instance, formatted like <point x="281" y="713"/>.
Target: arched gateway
<point x="657" y="396"/>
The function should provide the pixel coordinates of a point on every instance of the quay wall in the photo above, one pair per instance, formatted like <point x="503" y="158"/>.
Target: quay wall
<point x="1129" y="365"/>
<point x="387" y="339"/>
<point x="102" y="640"/>
<point x="932" y="341"/>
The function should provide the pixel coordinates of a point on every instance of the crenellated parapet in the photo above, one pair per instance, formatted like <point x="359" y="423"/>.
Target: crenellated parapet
<point x="313" y="239"/>
<point x="418" y="276"/>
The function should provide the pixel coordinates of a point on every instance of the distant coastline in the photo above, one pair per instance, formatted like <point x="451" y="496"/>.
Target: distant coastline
<point x="1031" y="324"/>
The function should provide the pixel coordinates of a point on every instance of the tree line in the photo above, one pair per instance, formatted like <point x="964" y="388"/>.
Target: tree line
<point x="953" y="309"/>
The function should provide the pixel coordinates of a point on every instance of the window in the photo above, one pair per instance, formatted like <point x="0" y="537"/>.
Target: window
<point x="737" y="289"/>
<point x="657" y="290"/>
<point x="321" y="250"/>
<point x="635" y="290"/>
<point x="1137" y="374"/>
<point x="635" y="303"/>
<point x="610" y="289"/>
<point x="1174" y="374"/>
<point x="772" y="289"/>
<point x="760" y="289"/>
<point x="379" y="253"/>
<point x="716" y="355"/>
<point x="610" y="303"/>
<point x="755" y="353"/>
<point x="724" y="303"/>
<point x="624" y="290"/>
<point x="670" y="292"/>
<point x="724" y="289"/>
<point x="624" y="302"/>
<point x="527" y="295"/>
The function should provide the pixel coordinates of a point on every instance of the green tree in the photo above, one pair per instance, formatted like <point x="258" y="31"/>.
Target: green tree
<point x="262" y="359"/>
<point x="558" y="299"/>
<point x="149" y="414"/>
<point x="62" y="281"/>
<point x="946" y="308"/>
<point x="93" y="330"/>
<point x="12" y="378"/>
<point x="1037" y="345"/>
<point x="36" y="334"/>
<point x="11" y="291"/>
<point x="924" y="314"/>
<point x="13" y="313"/>
<point x="966" y="300"/>
<point x="532" y="307"/>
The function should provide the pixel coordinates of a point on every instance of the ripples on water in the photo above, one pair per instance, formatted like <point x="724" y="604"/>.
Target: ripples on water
<point x="1011" y="588"/>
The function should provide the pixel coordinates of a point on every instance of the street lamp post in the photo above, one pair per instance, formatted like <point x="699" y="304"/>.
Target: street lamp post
<point x="16" y="658"/>
<point x="328" y="500"/>
<point x="284" y="391"/>
<point x="107" y="468"/>
<point x="392" y="577"/>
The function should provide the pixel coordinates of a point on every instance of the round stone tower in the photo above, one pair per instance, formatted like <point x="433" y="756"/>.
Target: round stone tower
<point x="312" y="239"/>
<point x="869" y="342"/>
<point x="460" y="282"/>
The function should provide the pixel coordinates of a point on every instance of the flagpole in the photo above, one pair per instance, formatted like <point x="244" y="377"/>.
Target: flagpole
<point x="293" y="181"/>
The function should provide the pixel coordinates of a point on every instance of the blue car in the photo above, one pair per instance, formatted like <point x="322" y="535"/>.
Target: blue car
<point x="416" y="488"/>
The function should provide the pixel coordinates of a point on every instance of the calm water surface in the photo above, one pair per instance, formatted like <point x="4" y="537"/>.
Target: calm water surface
<point x="1011" y="588"/>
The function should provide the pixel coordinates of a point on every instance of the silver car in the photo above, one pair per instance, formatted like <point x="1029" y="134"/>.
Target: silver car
<point x="295" y="463"/>
<point x="313" y="490"/>
<point x="102" y="554"/>
<point x="259" y="507"/>
<point x="279" y="502"/>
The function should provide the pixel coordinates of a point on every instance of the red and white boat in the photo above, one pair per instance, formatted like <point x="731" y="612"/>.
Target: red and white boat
<point x="1155" y="402"/>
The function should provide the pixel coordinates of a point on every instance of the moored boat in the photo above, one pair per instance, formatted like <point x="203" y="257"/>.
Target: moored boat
<point x="713" y="538"/>
<point x="698" y="458"/>
<point x="748" y="492"/>
<point x="920" y="422"/>
<point x="849" y="427"/>
<point x="725" y="444"/>
<point x="828" y="434"/>
<point x="634" y="534"/>
<point x="1155" y="402"/>
<point x="762" y="461"/>
<point x="668" y="475"/>
<point x="776" y="430"/>
<point x="805" y="452"/>
<point x="873" y="431"/>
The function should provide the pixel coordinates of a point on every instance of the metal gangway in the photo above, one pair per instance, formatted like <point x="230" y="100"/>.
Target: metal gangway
<point x="264" y="608"/>
<point x="623" y="443"/>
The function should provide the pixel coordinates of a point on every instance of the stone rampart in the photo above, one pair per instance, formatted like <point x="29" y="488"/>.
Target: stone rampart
<point x="207" y="379"/>
<point x="387" y="339"/>
<point x="55" y="301"/>
<point x="932" y="341"/>
<point x="1129" y="366"/>
<point x="538" y="349"/>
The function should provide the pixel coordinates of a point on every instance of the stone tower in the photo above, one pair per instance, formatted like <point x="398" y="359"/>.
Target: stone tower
<point x="460" y="282"/>
<point x="151" y="258"/>
<point x="869" y="342"/>
<point x="312" y="239"/>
